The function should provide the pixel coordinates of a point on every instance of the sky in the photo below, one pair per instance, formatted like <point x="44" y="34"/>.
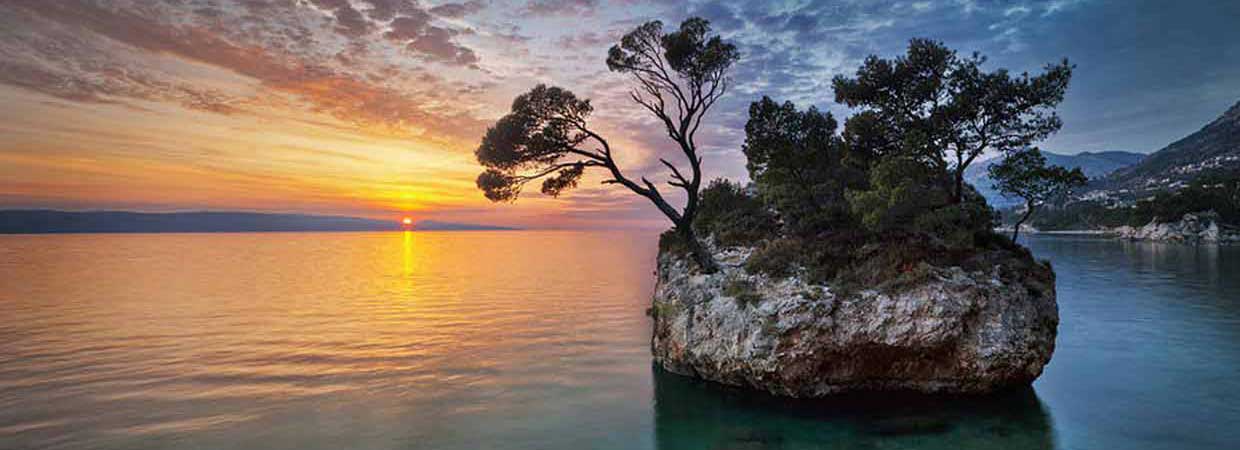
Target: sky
<point x="374" y="107"/>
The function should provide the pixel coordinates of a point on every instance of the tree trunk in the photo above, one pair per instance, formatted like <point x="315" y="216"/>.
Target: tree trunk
<point x="958" y="195"/>
<point x="700" y="255"/>
<point x="1016" y="229"/>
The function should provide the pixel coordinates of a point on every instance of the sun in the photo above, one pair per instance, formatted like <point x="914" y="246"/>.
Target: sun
<point x="407" y="221"/>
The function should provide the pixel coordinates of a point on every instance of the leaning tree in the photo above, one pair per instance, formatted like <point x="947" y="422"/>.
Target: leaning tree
<point x="943" y="109"/>
<point x="547" y="135"/>
<point x="1024" y="174"/>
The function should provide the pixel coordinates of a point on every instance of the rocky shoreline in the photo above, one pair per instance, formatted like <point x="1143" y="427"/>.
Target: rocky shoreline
<point x="1194" y="228"/>
<point x="1202" y="228"/>
<point x="951" y="331"/>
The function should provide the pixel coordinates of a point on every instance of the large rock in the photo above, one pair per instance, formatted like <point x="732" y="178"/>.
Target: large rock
<point x="952" y="331"/>
<point x="1192" y="228"/>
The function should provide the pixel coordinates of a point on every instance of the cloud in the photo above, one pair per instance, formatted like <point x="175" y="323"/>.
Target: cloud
<point x="561" y="7"/>
<point x="385" y="10"/>
<point x="437" y="43"/>
<point x="104" y="84"/>
<point x="1018" y="10"/>
<point x="1055" y="6"/>
<point x="457" y="10"/>
<point x="88" y="52"/>
<point x="433" y="74"/>
<point x="588" y="39"/>
<point x="406" y="28"/>
<point x="418" y="35"/>
<point x="968" y="6"/>
<point x="349" y="21"/>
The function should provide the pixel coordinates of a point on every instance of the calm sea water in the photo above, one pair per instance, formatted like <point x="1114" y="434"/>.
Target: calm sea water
<point x="538" y="340"/>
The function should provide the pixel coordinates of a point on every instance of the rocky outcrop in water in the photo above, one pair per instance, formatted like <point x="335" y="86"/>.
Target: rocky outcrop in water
<point x="950" y="331"/>
<point x="1193" y="228"/>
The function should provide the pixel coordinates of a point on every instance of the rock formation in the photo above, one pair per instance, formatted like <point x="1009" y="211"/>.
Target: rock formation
<point x="1193" y="228"/>
<point x="949" y="331"/>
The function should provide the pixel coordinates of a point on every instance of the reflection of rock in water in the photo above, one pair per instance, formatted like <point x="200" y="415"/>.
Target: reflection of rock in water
<point x="691" y="414"/>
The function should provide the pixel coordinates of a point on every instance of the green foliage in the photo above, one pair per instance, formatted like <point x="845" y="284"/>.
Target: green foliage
<point x="742" y="290"/>
<point x="796" y="161"/>
<point x="934" y="106"/>
<point x="821" y="256"/>
<point x="887" y="263"/>
<point x="663" y="309"/>
<point x="958" y="225"/>
<point x="776" y="258"/>
<point x="673" y="243"/>
<point x="813" y="293"/>
<point x="882" y="205"/>
<point x="1026" y="175"/>
<point x="901" y="189"/>
<point x="689" y="51"/>
<point x="545" y="126"/>
<point x="1218" y="192"/>
<point x="546" y="134"/>
<point x="1081" y="215"/>
<point x="732" y="215"/>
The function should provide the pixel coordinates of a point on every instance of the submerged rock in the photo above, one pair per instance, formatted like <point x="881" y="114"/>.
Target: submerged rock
<point x="950" y="331"/>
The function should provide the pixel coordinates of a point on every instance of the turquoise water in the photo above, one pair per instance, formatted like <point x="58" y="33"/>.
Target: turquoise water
<point x="537" y="340"/>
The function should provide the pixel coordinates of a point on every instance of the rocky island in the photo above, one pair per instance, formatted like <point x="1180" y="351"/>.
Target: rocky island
<point x="857" y="258"/>
<point x="954" y="330"/>
<point x="860" y="260"/>
<point x="980" y="325"/>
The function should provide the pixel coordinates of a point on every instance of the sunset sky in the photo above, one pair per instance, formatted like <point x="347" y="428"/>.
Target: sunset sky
<point x="373" y="107"/>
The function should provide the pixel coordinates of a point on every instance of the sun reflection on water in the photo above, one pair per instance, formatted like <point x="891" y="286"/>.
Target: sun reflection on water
<point x="408" y="253"/>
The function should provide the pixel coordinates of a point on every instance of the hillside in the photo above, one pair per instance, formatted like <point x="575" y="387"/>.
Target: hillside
<point x="1200" y="172"/>
<point x="1094" y="164"/>
<point x="1214" y="147"/>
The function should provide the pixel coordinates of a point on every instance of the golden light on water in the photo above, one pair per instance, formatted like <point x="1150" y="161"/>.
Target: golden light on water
<point x="407" y="257"/>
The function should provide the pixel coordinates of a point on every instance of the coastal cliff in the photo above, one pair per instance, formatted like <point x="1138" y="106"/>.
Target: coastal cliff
<point x="950" y="331"/>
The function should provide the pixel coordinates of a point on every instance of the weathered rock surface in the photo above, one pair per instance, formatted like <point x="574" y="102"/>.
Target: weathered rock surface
<point x="1193" y="228"/>
<point x="955" y="331"/>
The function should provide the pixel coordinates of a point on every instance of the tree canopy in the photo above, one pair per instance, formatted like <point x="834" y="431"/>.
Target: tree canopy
<point x="544" y="137"/>
<point x="1026" y="175"/>
<point x="547" y="136"/>
<point x="797" y="161"/>
<point x="935" y="106"/>
<point x="868" y="202"/>
<point x="884" y="196"/>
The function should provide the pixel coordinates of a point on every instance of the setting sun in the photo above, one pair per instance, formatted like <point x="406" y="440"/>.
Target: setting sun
<point x="641" y="224"/>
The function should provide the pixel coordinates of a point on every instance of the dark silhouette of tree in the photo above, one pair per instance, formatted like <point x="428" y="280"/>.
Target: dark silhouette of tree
<point x="937" y="107"/>
<point x="796" y="160"/>
<point x="680" y="75"/>
<point x="1025" y="174"/>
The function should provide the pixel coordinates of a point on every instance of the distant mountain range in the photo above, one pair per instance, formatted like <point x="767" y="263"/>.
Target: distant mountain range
<point x="50" y="221"/>
<point x="1094" y="164"/>
<point x="1124" y="177"/>
<point x="1215" y="146"/>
